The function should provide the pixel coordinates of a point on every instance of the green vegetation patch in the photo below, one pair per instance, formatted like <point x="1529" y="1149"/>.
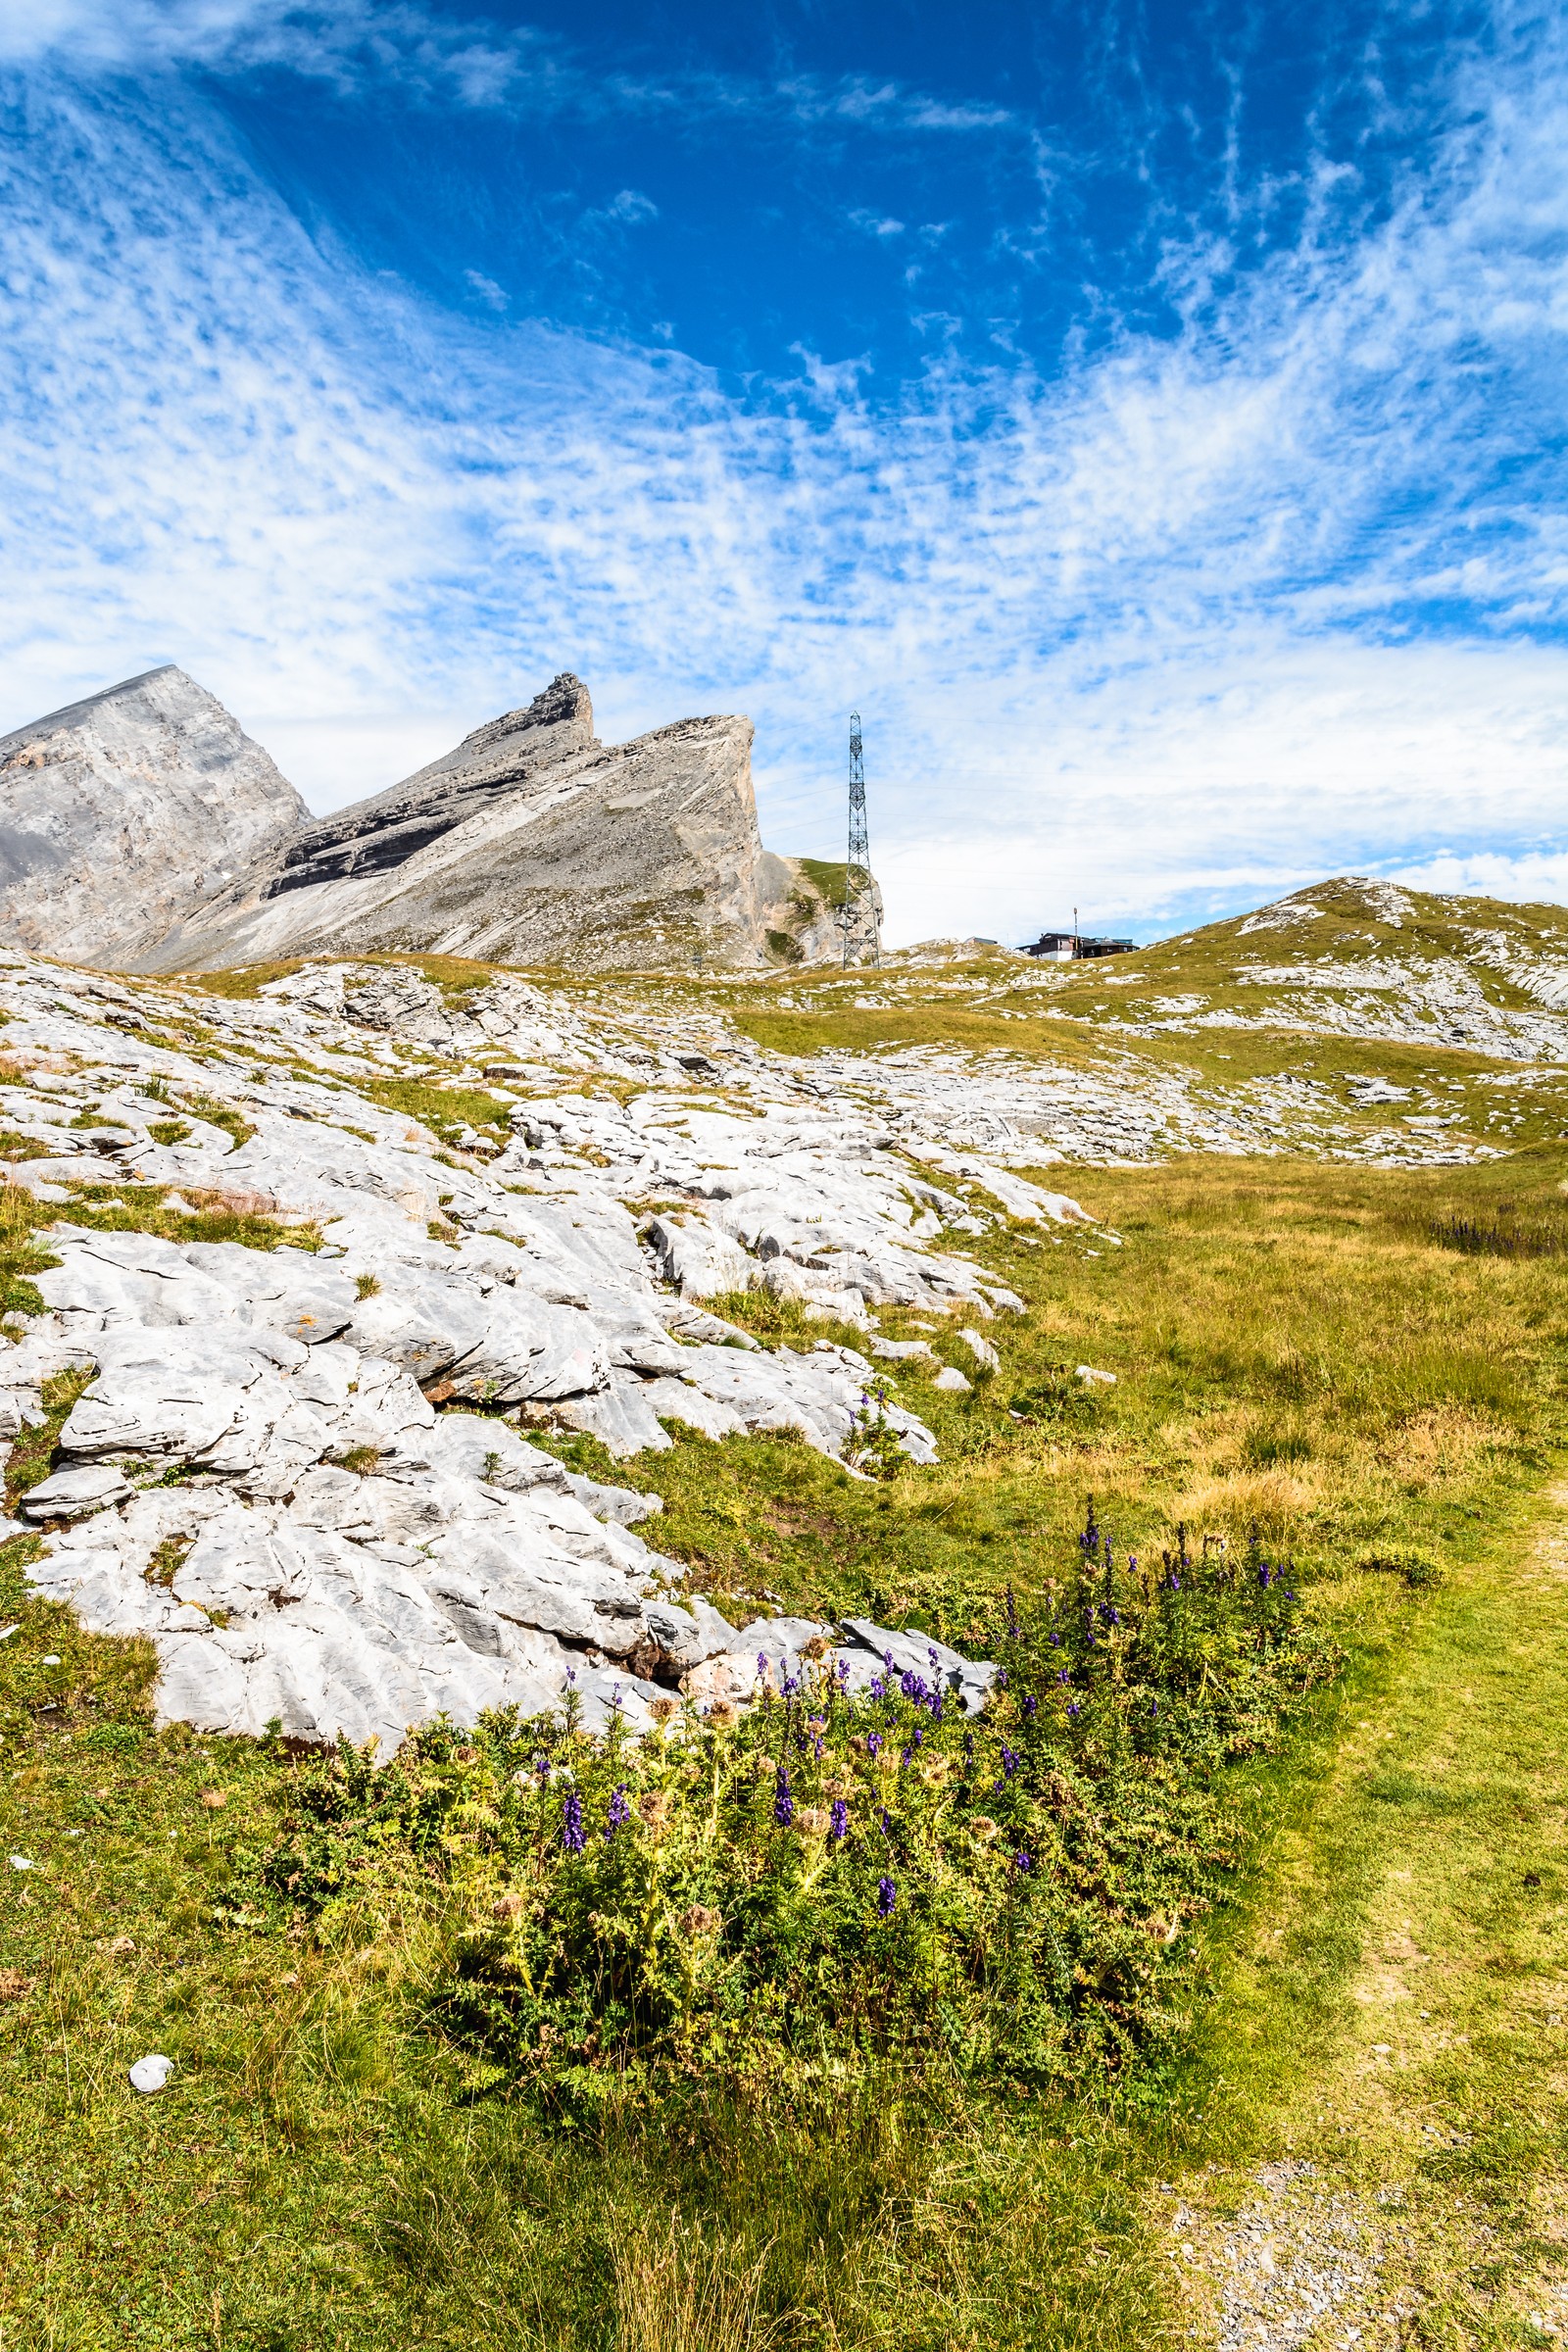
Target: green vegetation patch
<point x="438" y="1108"/>
<point x="362" y="2145"/>
<point x="828" y="1876"/>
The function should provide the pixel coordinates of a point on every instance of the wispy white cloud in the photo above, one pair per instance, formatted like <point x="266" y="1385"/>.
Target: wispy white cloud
<point x="1188" y="622"/>
<point x="444" y="58"/>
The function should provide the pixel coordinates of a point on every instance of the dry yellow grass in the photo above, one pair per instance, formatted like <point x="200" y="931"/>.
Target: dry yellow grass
<point x="1440" y="1442"/>
<point x="1274" y="1501"/>
<point x="677" y="2292"/>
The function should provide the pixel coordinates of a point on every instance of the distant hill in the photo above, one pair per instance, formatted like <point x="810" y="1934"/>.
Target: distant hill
<point x="1353" y="959"/>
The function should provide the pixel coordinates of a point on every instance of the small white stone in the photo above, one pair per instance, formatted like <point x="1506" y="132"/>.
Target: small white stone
<point x="50" y="1661"/>
<point x="151" y="2073"/>
<point x="953" y="1380"/>
<point x="21" y="1862"/>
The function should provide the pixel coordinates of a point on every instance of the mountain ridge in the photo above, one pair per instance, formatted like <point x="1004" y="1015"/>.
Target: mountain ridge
<point x="171" y="842"/>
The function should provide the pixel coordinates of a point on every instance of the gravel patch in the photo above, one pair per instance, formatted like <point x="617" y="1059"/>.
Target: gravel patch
<point x="1304" y="2263"/>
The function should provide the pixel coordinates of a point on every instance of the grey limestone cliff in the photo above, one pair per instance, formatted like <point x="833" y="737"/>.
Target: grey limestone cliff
<point x="120" y="815"/>
<point x="531" y="843"/>
<point x="141" y="829"/>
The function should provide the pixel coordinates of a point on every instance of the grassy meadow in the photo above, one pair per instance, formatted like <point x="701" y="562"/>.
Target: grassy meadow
<point x="1361" y="1367"/>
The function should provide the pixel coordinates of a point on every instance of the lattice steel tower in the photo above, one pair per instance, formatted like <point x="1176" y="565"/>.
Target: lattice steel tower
<point x="862" y="913"/>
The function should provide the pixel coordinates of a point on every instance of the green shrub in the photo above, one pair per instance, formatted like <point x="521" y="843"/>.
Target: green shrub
<point x="823" y="1879"/>
<point x="1058" y="1397"/>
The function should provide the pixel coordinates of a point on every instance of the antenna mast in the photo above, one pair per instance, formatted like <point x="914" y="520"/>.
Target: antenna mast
<point x="861" y="918"/>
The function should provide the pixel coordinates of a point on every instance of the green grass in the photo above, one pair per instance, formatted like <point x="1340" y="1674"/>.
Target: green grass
<point x="1293" y="1348"/>
<point x="438" y="1108"/>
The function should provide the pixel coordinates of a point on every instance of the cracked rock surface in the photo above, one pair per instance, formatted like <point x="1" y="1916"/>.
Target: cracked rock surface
<point x="302" y="1472"/>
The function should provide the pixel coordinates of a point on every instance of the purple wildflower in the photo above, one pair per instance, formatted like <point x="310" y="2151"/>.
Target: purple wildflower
<point x="1175" y="1582"/>
<point x="572" y="1834"/>
<point x="887" y="1894"/>
<point x="619" y="1810"/>
<point x="880" y="1689"/>
<point x="1002" y="1678"/>
<point x="873" y="1744"/>
<point x="1056" y="1641"/>
<point x="541" y="1766"/>
<point x="1073" y="1708"/>
<point x="914" y="1686"/>
<point x="1014" y="1628"/>
<point x="885" y="1825"/>
<point x="761" y="1664"/>
<point x="1022" y="1862"/>
<point x="840" y="1820"/>
<point x="783" y="1802"/>
<point x="844" y="1674"/>
<point x="1030" y="1705"/>
<point x="1009" y="1759"/>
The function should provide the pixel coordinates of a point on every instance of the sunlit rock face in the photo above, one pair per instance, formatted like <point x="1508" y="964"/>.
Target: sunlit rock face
<point x="531" y="843"/>
<point x="308" y="1475"/>
<point x="122" y="815"/>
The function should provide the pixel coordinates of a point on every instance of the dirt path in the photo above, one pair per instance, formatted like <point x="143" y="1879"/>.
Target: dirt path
<point x="1388" y="2126"/>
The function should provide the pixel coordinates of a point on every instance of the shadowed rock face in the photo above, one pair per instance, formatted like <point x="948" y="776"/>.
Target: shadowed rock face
<point x="378" y="835"/>
<point x="531" y="843"/>
<point x="120" y="815"/>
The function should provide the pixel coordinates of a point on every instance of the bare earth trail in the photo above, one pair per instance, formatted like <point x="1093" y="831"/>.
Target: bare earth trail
<point x="1385" y="2129"/>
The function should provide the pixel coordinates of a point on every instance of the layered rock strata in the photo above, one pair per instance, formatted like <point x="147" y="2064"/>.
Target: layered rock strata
<point x="531" y="843"/>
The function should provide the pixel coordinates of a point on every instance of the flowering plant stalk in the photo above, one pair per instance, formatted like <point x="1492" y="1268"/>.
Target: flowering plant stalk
<point x="833" y="1872"/>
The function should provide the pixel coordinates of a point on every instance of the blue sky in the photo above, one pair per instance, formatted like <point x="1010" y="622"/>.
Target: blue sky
<point x="1153" y="419"/>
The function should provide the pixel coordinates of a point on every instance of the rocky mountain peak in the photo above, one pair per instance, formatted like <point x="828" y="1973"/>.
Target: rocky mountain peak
<point x="121" y="814"/>
<point x="143" y="829"/>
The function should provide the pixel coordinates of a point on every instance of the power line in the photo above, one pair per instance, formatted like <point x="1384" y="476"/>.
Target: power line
<point x="862" y="912"/>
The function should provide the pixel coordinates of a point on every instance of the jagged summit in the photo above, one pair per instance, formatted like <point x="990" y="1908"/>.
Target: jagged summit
<point x="381" y="833"/>
<point x="140" y="828"/>
<point x="533" y="843"/>
<point x="120" y="812"/>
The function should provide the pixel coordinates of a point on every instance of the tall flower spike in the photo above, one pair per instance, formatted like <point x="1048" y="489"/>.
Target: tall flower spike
<point x="887" y="1894"/>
